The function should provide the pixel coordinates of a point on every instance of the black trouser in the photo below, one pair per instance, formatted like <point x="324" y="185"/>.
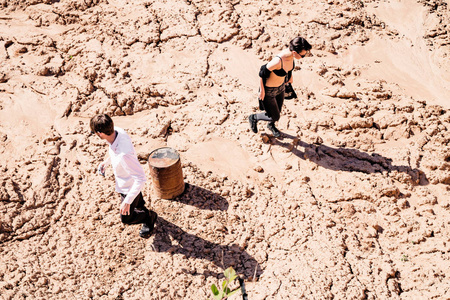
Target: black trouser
<point x="273" y="102"/>
<point x="138" y="211"/>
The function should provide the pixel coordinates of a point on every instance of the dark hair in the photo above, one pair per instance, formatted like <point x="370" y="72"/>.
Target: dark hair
<point x="102" y="123"/>
<point x="299" y="44"/>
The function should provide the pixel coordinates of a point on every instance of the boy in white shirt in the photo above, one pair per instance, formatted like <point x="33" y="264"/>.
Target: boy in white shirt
<point x="128" y="172"/>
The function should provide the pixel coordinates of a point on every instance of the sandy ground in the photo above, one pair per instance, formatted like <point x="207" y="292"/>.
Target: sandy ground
<point x="351" y="203"/>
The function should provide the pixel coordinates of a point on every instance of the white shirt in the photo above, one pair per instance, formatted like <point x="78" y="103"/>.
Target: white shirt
<point x="129" y="174"/>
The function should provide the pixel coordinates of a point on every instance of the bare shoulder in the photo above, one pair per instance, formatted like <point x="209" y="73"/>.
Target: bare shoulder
<point x="274" y="63"/>
<point x="284" y="54"/>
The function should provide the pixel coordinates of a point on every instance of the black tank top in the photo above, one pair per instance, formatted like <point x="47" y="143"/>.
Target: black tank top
<point x="281" y="72"/>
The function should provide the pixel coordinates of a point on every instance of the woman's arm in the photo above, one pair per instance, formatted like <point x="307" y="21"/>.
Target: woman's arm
<point x="274" y="64"/>
<point x="264" y="74"/>
<point x="262" y="92"/>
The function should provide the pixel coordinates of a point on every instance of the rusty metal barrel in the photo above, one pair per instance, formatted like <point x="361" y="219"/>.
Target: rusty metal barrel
<point x="166" y="173"/>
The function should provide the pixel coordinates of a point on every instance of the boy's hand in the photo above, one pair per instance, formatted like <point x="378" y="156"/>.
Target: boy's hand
<point x="101" y="169"/>
<point x="125" y="209"/>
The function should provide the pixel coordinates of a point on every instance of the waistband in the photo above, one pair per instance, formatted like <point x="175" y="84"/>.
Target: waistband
<point x="274" y="88"/>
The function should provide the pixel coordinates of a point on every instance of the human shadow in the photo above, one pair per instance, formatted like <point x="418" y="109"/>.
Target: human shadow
<point x="189" y="245"/>
<point x="347" y="159"/>
<point x="201" y="198"/>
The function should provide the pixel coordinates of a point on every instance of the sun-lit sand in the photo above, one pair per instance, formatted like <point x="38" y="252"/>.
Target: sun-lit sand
<point x="351" y="203"/>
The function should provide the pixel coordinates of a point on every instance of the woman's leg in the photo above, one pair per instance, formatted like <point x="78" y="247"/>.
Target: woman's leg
<point x="271" y="107"/>
<point x="279" y="98"/>
<point x="272" y="113"/>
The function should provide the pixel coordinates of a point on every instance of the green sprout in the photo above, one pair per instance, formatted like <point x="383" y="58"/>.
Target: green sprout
<point x="230" y="275"/>
<point x="404" y="258"/>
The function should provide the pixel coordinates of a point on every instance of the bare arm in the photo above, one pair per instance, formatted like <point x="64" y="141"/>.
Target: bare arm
<point x="262" y="93"/>
<point x="272" y="65"/>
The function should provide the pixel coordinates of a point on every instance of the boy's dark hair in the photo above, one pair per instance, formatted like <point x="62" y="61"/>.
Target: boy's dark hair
<point x="102" y="123"/>
<point x="299" y="44"/>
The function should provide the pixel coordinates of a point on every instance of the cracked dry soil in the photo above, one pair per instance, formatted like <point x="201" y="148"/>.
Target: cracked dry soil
<point x="351" y="203"/>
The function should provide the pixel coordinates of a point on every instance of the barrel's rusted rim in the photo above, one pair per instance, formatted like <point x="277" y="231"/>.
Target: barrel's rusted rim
<point x="166" y="166"/>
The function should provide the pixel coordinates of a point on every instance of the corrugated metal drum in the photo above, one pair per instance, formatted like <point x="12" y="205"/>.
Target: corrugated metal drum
<point x="166" y="173"/>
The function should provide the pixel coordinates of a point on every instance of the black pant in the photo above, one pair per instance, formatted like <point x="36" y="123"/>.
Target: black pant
<point x="138" y="212"/>
<point x="273" y="102"/>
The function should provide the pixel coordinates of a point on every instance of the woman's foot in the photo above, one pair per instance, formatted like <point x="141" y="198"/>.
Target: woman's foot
<point x="253" y="123"/>
<point x="275" y="131"/>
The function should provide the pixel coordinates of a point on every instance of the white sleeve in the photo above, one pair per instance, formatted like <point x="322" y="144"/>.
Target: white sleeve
<point x="132" y="165"/>
<point x="107" y="161"/>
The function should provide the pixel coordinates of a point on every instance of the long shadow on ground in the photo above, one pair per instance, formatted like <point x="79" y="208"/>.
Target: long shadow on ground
<point x="190" y="245"/>
<point x="347" y="159"/>
<point x="202" y="198"/>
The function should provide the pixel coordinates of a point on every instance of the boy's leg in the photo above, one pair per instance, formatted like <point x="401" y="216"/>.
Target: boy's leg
<point x="138" y="212"/>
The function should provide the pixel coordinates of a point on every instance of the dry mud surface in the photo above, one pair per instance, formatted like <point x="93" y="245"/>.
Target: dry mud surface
<point x="352" y="203"/>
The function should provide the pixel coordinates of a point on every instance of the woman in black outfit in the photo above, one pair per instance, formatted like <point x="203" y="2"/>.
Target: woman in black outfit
<point x="273" y="77"/>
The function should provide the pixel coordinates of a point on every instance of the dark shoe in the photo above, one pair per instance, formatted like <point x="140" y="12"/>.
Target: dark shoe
<point x="253" y="123"/>
<point x="147" y="228"/>
<point x="275" y="131"/>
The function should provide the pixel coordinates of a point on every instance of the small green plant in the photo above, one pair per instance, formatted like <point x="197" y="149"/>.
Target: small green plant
<point x="404" y="258"/>
<point x="230" y="275"/>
